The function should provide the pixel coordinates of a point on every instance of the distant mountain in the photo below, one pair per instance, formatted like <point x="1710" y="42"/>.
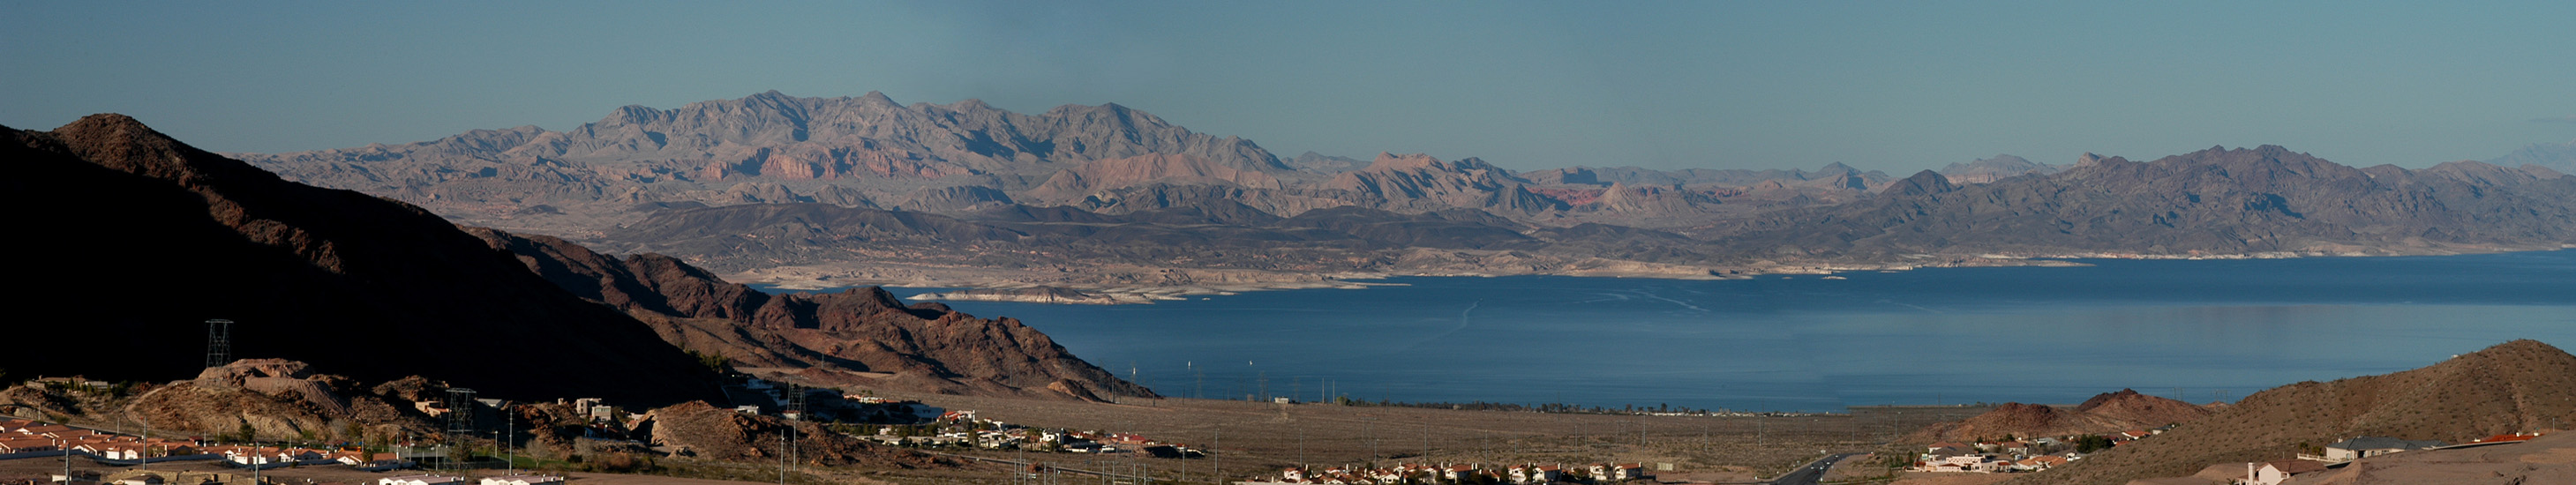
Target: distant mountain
<point x="1074" y="183"/>
<point x="1222" y="244"/>
<point x="139" y="238"/>
<point x="2512" y="387"/>
<point x="642" y="173"/>
<point x="866" y="147"/>
<point x="2215" y="201"/>
<point x="1326" y="164"/>
<point x="2554" y="156"/>
<point x="1991" y="169"/>
<point x="1420" y="183"/>
<point x="1830" y="175"/>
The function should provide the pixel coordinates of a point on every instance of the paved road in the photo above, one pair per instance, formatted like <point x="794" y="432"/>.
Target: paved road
<point x="1809" y="474"/>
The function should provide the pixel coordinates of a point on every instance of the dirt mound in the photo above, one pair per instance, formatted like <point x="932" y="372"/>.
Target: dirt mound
<point x="704" y="431"/>
<point x="2516" y="386"/>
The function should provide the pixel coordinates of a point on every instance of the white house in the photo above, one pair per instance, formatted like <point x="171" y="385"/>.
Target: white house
<point x="2274" y="473"/>
<point x="1628" y="471"/>
<point x="2370" y="446"/>
<point x="420" y="480"/>
<point x="524" y="480"/>
<point x="113" y="451"/>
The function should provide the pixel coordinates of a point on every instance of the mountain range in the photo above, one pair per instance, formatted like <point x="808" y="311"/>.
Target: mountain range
<point x="836" y="191"/>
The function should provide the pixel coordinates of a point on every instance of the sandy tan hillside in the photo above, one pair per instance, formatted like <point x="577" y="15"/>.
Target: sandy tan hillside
<point x="2516" y="386"/>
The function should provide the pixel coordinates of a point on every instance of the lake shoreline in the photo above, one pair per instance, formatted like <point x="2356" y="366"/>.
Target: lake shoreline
<point x="1001" y="285"/>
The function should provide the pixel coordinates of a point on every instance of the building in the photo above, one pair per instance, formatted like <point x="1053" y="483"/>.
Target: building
<point x="2370" y="446"/>
<point x="2273" y="473"/>
<point x="26" y="445"/>
<point x="1628" y="471"/>
<point x="113" y="450"/>
<point x="420" y="480"/>
<point x="523" y="480"/>
<point x="77" y="477"/>
<point x="2041" y="462"/>
<point x="1459" y="473"/>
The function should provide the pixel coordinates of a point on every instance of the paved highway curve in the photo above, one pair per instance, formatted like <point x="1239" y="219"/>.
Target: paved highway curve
<point x="1808" y="475"/>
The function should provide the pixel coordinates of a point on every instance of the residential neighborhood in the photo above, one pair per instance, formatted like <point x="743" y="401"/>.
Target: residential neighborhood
<point x="1531" y="473"/>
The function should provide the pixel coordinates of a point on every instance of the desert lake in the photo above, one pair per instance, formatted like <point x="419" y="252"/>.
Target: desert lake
<point x="2200" y="330"/>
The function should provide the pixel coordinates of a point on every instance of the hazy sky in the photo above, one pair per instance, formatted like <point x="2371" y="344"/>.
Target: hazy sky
<point x="1882" y="85"/>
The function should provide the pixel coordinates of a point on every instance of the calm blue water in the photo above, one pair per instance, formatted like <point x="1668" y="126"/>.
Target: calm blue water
<point x="2052" y="335"/>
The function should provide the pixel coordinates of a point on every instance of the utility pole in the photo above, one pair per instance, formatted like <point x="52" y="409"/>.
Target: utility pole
<point x="796" y="405"/>
<point x="509" y="437"/>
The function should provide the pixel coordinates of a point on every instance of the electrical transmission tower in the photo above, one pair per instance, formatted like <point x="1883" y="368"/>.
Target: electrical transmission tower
<point x="460" y="424"/>
<point x="219" y="343"/>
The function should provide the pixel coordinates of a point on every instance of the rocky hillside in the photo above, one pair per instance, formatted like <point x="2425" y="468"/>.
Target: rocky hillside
<point x="249" y="399"/>
<point x="860" y="336"/>
<point x="373" y="288"/>
<point x="699" y="430"/>
<point x="2512" y="387"/>
<point x="2215" y="201"/>
<point x="2110" y="412"/>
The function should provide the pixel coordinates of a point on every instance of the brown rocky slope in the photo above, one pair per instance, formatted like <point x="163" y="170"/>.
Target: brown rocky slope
<point x="2109" y="412"/>
<point x="861" y="336"/>
<point x="2516" y="386"/>
<point x="264" y="398"/>
<point x="136" y="238"/>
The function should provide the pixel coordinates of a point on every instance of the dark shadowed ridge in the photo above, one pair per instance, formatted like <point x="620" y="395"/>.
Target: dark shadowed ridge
<point x="834" y="336"/>
<point x="137" y="238"/>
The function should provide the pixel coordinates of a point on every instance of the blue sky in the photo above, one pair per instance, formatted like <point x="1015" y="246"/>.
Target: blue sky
<point x="1897" y="86"/>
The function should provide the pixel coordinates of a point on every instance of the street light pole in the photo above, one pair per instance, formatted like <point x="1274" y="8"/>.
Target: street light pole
<point x="509" y="432"/>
